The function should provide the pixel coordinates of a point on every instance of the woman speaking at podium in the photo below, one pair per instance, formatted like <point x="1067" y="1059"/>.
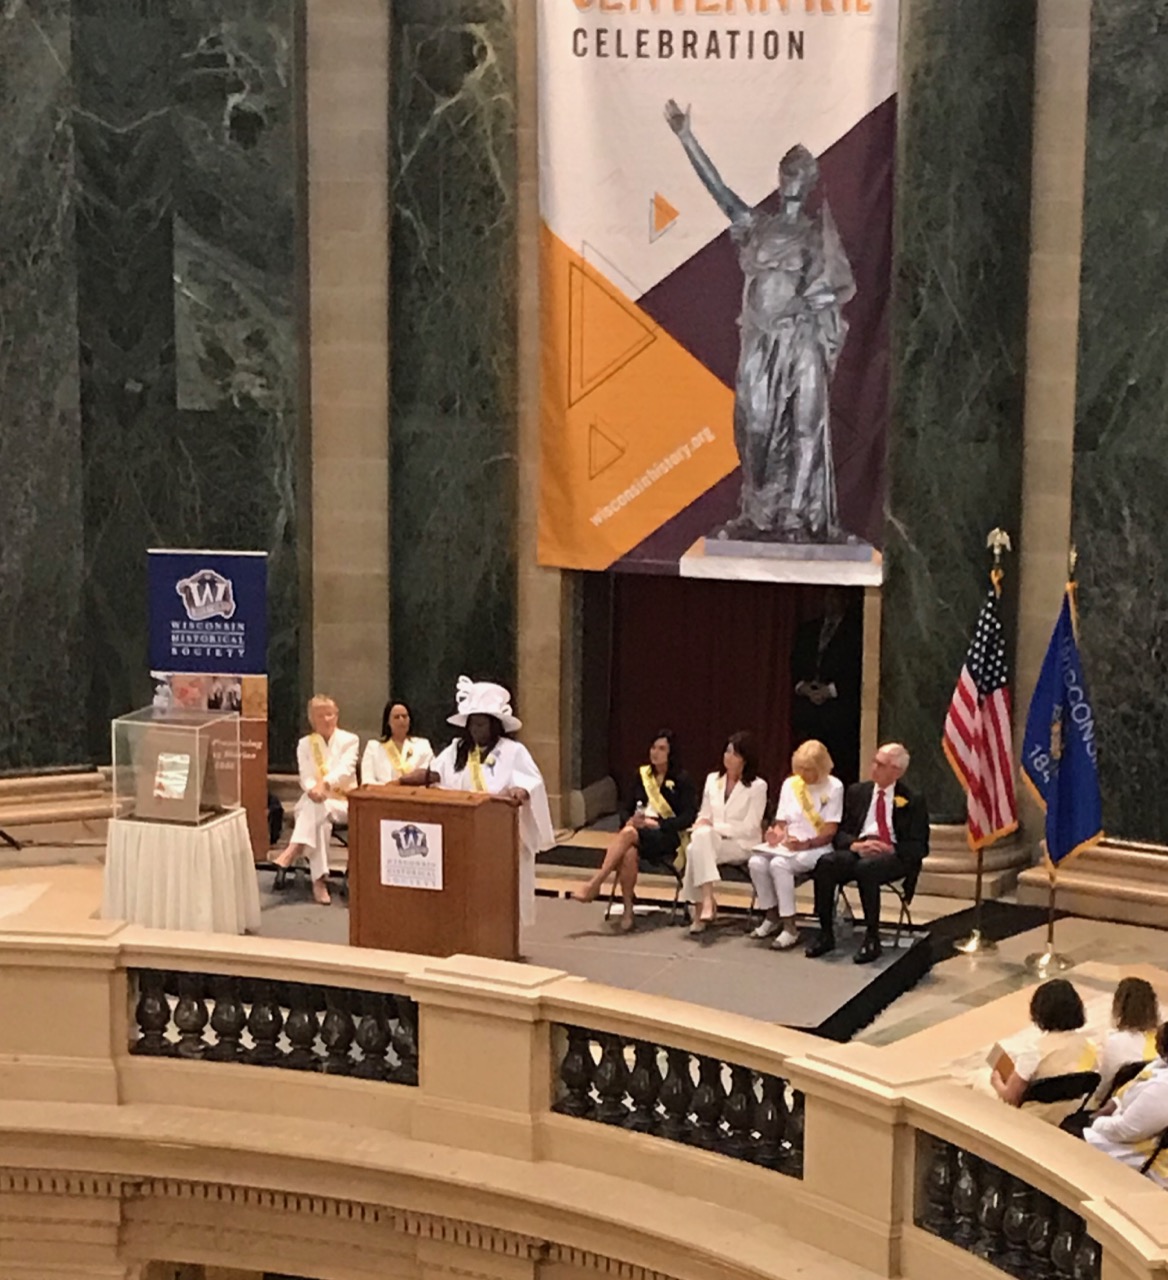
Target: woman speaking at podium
<point x="397" y="753"/>
<point x="482" y="758"/>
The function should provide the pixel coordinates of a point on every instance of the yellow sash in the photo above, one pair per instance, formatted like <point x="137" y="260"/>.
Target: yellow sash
<point x="653" y="791"/>
<point x="474" y="762"/>
<point x="396" y="758"/>
<point x="803" y="795"/>
<point x="317" y="743"/>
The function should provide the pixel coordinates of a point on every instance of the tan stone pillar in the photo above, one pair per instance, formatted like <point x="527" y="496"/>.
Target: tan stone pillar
<point x="540" y="697"/>
<point x="347" y="59"/>
<point x="1052" y="339"/>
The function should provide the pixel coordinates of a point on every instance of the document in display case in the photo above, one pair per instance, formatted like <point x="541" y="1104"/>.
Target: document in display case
<point x="173" y="765"/>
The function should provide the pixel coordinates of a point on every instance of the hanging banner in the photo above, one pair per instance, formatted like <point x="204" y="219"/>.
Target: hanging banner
<point x="716" y="185"/>
<point x="209" y="652"/>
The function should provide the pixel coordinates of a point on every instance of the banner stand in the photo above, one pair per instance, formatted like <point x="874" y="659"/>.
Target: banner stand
<point x="1044" y="963"/>
<point x="976" y="944"/>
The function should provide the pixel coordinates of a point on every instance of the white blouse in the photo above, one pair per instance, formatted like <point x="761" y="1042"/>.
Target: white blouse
<point x="377" y="768"/>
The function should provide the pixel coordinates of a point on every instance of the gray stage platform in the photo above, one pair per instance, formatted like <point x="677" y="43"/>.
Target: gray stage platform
<point x="722" y="968"/>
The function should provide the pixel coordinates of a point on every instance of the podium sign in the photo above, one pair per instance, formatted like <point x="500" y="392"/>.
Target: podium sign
<point x="461" y="895"/>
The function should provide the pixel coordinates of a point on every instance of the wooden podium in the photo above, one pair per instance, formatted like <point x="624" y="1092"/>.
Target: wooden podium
<point x="476" y="912"/>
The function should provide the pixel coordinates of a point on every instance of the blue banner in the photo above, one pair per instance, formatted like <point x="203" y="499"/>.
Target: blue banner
<point x="1059" y="750"/>
<point x="209" y="611"/>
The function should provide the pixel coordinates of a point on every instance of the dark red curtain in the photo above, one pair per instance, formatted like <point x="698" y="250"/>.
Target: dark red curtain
<point x="704" y="659"/>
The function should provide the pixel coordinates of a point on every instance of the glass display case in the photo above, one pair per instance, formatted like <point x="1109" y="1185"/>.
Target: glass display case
<point x="172" y="765"/>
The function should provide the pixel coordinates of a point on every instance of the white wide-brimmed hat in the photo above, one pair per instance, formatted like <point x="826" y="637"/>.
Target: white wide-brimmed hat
<point x="481" y="698"/>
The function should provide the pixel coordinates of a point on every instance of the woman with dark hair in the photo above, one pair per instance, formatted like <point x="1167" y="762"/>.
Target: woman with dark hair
<point x="397" y="754"/>
<point x="1063" y="1048"/>
<point x="659" y="812"/>
<point x="483" y="758"/>
<point x="1135" y="1017"/>
<point x="729" y="825"/>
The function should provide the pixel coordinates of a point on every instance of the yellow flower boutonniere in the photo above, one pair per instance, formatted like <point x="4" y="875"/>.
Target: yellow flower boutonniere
<point x="668" y="784"/>
<point x="900" y="801"/>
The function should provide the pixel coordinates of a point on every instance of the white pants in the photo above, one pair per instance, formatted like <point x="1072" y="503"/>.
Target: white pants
<point x="707" y="849"/>
<point x="314" y="826"/>
<point x="774" y="874"/>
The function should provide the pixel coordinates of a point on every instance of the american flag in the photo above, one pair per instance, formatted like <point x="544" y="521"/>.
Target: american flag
<point x="977" y="732"/>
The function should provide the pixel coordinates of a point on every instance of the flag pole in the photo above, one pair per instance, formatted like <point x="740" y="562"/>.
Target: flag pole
<point x="1044" y="963"/>
<point x="977" y="944"/>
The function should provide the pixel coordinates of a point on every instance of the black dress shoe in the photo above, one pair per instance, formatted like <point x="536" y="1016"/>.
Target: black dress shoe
<point x="871" y="950"/>
<point x="820" y="947"/>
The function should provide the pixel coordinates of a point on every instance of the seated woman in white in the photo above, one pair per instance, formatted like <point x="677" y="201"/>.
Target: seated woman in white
<point x="327" y="762"/>
<point x="1129" y="1126"/>
<point x="729" y="823"/>
<point x="481" y="758"/>
<point x="397" y="752"/>
<point x="1135" y="1017"/>
<point x="811" y="804"/>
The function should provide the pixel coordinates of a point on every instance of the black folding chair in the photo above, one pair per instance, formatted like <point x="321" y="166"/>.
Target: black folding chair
<point x="1073" y="1086"/>
<point x="1078" y="1122"/>
<point x="1161" y="1144"/>
<point x="653" y="868"/>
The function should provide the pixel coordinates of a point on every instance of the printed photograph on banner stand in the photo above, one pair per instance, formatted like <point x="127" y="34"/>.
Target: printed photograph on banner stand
<point x="716" y="205"/>
<point x="208" y="652"/>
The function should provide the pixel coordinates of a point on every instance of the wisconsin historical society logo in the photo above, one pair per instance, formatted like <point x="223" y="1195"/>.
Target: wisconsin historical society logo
<point x="206" y="594"/>
<point x="411" y="842"/>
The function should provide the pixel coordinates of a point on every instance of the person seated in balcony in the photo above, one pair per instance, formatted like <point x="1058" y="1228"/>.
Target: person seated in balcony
<point x="1135" y="1019"/>
<point x="728" y="826"/>
<point x="1056" y="1009"/>
<point x="326" y="760"/>
<point x="655" y="830"/>
<point x="483" y="758"/>
<point x="1128" y="1128"/>
<point x="396" y="753"/>
<point x="811" y="803"/>
<point x="883" y="836"/>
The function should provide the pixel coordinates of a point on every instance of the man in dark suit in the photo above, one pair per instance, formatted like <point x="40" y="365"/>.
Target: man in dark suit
<point x="884" y="836"/>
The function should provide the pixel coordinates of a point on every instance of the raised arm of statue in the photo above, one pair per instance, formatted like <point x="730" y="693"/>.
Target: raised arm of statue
<point x="732" y="205"/>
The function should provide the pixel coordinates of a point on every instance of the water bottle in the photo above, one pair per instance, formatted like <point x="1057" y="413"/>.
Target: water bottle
<point x="845" y="921"/>
<point x="639" y="811"/>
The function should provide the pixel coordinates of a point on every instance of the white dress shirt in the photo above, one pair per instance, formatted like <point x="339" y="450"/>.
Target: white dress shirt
<point x="870" y="830"/>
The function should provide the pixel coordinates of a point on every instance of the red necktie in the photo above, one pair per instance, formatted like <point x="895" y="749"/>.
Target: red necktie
<point x="882" y="830"/>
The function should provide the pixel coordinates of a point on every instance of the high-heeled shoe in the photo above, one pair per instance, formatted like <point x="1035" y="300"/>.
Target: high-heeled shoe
<point x="587" y="894"/>
<point x="320" y="892"/>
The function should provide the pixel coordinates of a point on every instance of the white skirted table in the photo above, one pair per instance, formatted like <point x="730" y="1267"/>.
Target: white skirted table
<point x="168" y="876"/>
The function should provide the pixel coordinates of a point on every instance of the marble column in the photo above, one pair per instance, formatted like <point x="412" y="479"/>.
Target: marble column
<point x="961" y="249"/>
<point x="453" y="318"/>
<point x="187" y="261"/>
<point x="1120" y="521"/>
<point x="348" y="210"/>
<point x="42" y="669"/>
<point x="1060" y="110"/>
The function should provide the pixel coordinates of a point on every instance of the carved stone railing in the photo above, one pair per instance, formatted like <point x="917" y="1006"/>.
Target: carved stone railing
<point x="1000" y="1218"/>
<point x="681" y="1096"/>
<point x="298" y="1026"/>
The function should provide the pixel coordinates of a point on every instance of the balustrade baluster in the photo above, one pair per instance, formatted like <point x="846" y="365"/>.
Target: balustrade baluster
<point x="966" y="1193"/>
<point x="738" y="1142"/>
<point x="991" y="1209"/>
<point x="937" y="1216"/>
<point x="1065" y="1243"/>
<point x="676" y="1093"/>
<point x="403" y="1013"/>
<point x="301" y="1029"/>
<point x="190" y="1016"/>
<point x="793" y="1145"/>
<point x="708" y="1101"/>
<point x="1015" y="1226"/>
<point x="1039" y="1237"/>
<point x="576" y="1070"/>
<point x="152" y="1015"/>
<point x="336" y="1033"/>
<point x="644" y="1085"/>
<point x="264" y="1023"/>
<point x="228" y="1019"/>
<point x="611" y="1078"/>
<point x="770" y="1120"/>
<point x="372" y="1038"/>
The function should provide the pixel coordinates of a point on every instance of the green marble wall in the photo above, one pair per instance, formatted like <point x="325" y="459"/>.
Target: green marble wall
<point x="959" y="323"/>
<point x="1121" y="429"/>
<point x="453" y="251"/>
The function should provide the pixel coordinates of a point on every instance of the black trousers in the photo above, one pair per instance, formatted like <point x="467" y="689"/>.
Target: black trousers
<point x="842" y="866"/>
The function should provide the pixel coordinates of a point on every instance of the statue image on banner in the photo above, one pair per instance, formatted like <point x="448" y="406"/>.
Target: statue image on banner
<point x="797" y="280"/>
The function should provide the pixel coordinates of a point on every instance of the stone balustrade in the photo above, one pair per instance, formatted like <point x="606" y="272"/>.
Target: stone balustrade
<point x="643" y="1136"/>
